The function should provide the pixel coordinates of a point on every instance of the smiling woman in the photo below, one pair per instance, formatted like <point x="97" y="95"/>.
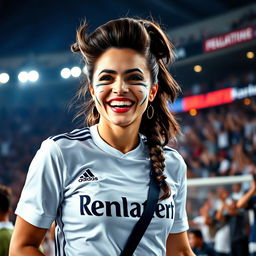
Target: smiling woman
<point x="96" y="182"/>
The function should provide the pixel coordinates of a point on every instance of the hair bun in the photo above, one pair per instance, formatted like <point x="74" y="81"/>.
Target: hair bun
<point x="160" y="45"/>
<point x="74" y="47"/>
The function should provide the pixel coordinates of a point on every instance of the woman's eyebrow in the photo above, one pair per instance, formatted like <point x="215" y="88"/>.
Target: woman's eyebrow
<point x="107" y="71"/>
<point x="133" y="70"/>
<point x="111" y="71"/>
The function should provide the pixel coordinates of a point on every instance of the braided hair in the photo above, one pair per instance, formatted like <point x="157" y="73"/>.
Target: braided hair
<point x="147" y="38"/>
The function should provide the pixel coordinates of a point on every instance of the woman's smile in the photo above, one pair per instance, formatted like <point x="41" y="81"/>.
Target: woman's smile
<point x="120" y="105"/>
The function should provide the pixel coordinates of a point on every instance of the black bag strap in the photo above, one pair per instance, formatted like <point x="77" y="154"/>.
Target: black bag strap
<point x="142" y="224"/>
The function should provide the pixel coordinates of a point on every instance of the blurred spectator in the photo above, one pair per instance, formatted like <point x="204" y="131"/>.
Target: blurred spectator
<point x="205" y="223"/>
<point x="228" y="213"/>
<point x="222" y="237"/>
<point x="237" y="191"/>
<point x="223" y="138"/>
<point x="199" y="247"/>
<point x="6" y="227"/>
<point x="224" y="164"/>
<point x="248" y="201"/>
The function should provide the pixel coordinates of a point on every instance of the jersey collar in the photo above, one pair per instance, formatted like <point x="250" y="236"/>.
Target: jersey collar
<point x="138" y="152"/>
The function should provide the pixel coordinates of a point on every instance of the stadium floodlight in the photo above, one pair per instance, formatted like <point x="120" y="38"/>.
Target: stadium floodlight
<point x="23" y="77"/>
<point x="247" y="101"/>
<point x="198" y="68"/>
<point x="250" y="55"/>
<point x="4" y="78"/>
<point x="76" y="71"/>
<point x="65" y="73"/>
<point x="193" y="112"/>
<point x="33" y="76"/>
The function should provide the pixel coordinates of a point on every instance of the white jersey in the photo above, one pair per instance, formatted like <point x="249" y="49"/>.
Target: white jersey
<point x="96" y="194"/>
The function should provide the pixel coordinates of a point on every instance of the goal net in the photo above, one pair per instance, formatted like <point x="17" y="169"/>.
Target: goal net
<point x="212" y="189"/>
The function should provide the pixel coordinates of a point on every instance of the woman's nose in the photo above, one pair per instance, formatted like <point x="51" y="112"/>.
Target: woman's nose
<point x="120" y="87"/>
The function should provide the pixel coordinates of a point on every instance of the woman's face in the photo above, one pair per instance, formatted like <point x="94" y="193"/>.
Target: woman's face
<point x="121" y="87"/>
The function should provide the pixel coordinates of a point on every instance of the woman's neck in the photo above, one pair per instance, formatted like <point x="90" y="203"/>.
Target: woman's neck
<point x="123" y="139"/>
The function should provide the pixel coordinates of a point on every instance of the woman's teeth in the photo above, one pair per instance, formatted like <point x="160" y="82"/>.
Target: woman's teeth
<point x="120" y="104"/>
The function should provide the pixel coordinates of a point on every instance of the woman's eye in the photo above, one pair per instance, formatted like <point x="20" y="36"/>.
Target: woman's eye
<point x="106" y="78"/>
<point x="135" y="77"/>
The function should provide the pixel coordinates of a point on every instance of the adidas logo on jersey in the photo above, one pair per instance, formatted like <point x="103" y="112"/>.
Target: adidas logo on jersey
<point x="87" y="176"/>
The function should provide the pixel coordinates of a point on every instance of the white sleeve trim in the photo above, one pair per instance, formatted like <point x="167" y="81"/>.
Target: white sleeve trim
<point x="32" y="216"/>
<point x="179" y="226"/>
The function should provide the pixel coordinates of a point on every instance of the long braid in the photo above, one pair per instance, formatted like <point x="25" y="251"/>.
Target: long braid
<point x="157" y="133"/>
<point x="157" y="158"/>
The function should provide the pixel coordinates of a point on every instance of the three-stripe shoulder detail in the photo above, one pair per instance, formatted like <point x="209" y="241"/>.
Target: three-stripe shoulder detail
<point x="78" y="134"/>
<point x="166" y="148"/>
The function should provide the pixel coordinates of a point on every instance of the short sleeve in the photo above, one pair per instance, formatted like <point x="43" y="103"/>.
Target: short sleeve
<point x="180" y="221"/>
<point x="42" y="192"/>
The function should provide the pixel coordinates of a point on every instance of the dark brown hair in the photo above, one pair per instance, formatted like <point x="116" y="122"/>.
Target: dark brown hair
<point x="147" y="38"/>
<point x="5" y="198"/>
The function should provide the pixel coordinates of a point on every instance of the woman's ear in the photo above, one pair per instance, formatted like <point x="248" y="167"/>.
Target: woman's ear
<point x="153" y="92"/>
<point x="91" y="90"/>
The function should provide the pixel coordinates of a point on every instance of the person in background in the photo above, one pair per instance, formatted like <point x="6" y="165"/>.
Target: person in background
<point x="222" y="236"/>
<point x="199" y="247"/>
<point x="235" y="219"/>
<point x="237" y="191"/>
<point x="224" y="164"/>
<point x="6" y="227"/>
<point x="204" y="222"/>
<point x="248" y="201"/>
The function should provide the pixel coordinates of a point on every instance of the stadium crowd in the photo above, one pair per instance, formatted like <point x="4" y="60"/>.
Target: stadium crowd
<point x="220" y="141"/>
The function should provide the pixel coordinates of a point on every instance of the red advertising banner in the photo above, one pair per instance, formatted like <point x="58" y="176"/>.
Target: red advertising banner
<point x="229" y="39"/>
<point x="208" y="100"/>
<point x="213" y="98"/>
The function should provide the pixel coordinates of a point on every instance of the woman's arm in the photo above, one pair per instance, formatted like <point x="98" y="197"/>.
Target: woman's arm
<point x="242" y="202"/>
<point x="219" y="214"/>
<point x="26" y="239"/>
<point x="178" y="245"/>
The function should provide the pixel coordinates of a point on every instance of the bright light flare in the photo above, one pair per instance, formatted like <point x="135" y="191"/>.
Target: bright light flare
<point x="4" y="78"/>
<point x="198" y="68"/>
<point x="76" y="71"/>
<point x="250" y="55"/>
<point x="193" y="112"/>
<point x="23" y="77"/>
<point x="33" y="76"/>
<point x="65" y="73"/>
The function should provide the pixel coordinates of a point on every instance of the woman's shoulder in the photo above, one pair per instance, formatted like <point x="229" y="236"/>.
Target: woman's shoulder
<point x="68" y="140"/>
<point x="80" y="134"/>
<point x="172" y="153"/>
<point x="174" y="160"/>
